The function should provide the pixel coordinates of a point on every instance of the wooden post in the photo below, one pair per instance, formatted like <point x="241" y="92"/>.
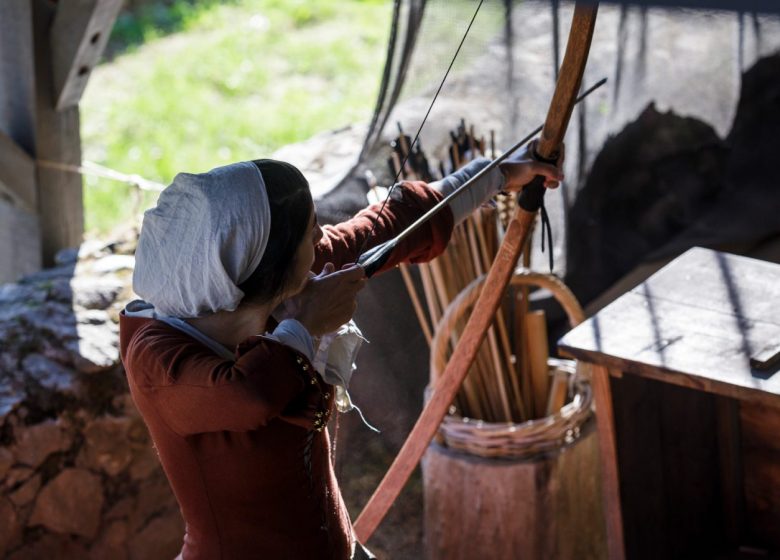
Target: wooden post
<point x="20" y="251"/>
<point x="57" y="138"/>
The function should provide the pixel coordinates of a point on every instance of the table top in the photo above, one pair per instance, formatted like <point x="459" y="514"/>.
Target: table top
<point x="708" y="320"/>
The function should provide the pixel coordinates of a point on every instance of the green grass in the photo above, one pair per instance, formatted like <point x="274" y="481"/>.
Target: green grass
<point x="236" y="81"/>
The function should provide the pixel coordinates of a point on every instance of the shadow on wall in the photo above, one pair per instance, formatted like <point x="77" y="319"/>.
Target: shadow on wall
<point x="667" y="183"/>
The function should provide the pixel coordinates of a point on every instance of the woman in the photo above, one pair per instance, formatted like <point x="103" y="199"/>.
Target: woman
<point x="219" y="355"/>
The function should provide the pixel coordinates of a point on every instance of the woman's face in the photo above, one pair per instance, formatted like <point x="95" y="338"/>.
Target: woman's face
<point x="304" y="255"/>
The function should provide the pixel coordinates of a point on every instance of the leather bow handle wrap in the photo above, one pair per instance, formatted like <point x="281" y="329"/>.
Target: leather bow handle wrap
<point x="495" y="285"/>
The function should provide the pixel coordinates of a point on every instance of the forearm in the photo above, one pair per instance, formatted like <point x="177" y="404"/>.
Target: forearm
<point x="468" y="200"/>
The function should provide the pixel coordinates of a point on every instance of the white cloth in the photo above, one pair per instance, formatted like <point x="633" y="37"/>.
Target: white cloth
<point x="206" y="236"/>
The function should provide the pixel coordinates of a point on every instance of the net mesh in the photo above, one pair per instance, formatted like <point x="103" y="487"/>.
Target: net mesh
<point x="682" y="60"/>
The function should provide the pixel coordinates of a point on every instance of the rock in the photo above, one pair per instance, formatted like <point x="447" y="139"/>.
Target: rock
<point x="6" y="460"/>
<point x="154" y="497"/>
<point x="26" y="493"/>
<point x="145" y="463"/>
<point x="49" y="274"/>
<point x="17" y="475"/>
<point x="10" y="527"/>
<point x="95" y="293"/>
<point x="52" y="317"/>
<point x="50" y="374"/>
<point x="15" y="293"/>
<point x="70" y="503"/>
<point x="161" y="539"/>
<point x="10" y="398"/>
<point x="113" y="263"/>
<point x="92" y="248"/>
<point x="96" y="349"/>
<point x="106" y="446"/>
<point x="120" y="510"/>
<point x="12" y="311"/>
<point x="68" y="255"/>
<point x="51" y="546"/>
<point x="35" y="443"/>
<point x="112" y="542"/>
<point x="125" y="405"/>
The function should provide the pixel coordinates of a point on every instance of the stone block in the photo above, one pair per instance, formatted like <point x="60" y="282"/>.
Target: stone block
<point x="70" y="503"/>
<point x="161" y="539"/>
<point x="51" y="546"/>
<point x="26" y="492"/>
<point x="106" y="446"/>
<point x="6" y="461"/>
<point x="35" y="443"/>
<point x="10" y="527"/>
<point x="112" y="543"/>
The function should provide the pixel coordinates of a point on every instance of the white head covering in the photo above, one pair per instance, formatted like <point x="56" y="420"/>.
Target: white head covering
<point x="206" y="236"/>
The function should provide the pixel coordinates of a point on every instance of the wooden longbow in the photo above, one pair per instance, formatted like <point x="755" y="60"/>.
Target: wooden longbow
<point x="530" y="200"/>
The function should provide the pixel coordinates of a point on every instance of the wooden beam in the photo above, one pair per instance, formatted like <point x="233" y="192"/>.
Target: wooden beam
<point x="78" y="36"/>
<point x="17" y="173"/>
<point x="57" y="138"/>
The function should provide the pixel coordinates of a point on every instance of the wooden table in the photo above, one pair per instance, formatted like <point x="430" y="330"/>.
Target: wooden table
<point x="687" y="395"/>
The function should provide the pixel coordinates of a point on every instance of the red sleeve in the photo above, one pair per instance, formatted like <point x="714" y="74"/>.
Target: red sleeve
<point x="196" y="391"/>
<point x="341" y="243"/>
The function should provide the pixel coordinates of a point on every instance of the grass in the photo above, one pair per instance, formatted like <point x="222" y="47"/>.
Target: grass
<point x="237" y="80"/>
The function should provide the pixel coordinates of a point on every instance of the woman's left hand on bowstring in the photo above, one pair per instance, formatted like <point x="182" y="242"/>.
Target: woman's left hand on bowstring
<point x="521" y="167"/>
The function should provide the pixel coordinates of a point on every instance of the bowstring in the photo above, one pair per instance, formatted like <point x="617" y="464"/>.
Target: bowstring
<point x="417" y="134"/>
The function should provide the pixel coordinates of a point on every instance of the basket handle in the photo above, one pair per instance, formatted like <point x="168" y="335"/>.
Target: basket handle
<point x="468" y="296"/>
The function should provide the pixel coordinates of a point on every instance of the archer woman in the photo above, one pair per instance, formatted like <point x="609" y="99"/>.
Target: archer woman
<point x="230" y="357"/>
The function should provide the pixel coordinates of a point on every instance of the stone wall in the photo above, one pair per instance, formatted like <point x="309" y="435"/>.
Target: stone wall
<point x="79" y="477"/>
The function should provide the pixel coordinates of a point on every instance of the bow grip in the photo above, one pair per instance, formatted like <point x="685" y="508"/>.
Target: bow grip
<point x="531" y="197"/>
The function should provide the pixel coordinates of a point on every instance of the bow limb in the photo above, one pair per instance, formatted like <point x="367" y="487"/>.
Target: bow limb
<point x="484" y="311"/>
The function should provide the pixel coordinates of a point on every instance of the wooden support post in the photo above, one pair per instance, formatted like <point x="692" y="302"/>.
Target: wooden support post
<point x="78" y="36"/>
<point x="57" y="139"/>
<point x="20" y="250"/>
<point x="602" y="394"/>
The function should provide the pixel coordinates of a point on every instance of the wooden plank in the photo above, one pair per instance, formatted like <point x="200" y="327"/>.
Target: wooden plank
<point x="57" y="139"/>
<point x="696" y="323"/>
<point x="17" y="174"/>
<point x="759" y="426"/>
<point x="610" y="478"/>
<point x="670" y="485"/>
<point x="79" y="35"/>
<point x="732" y="479"/>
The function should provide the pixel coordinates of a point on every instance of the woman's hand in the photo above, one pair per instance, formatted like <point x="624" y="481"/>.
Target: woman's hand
<point x="329" y="299"/>
<point x="520" y="169"/>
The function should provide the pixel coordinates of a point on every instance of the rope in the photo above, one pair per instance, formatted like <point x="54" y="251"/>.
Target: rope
<point x="97" y="170"/>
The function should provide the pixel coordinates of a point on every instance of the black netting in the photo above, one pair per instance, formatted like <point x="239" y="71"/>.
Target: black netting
<point x="688" y="62"/>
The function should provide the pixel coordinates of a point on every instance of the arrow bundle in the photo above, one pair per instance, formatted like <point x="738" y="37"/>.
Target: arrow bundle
<point x="509" y="380"/>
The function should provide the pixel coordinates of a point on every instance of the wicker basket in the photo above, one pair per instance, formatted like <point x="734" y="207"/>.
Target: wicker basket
<point x="510" y="440"/>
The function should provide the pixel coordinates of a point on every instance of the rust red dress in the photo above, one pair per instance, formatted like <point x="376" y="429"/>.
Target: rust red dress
<point x="241" y="441"/>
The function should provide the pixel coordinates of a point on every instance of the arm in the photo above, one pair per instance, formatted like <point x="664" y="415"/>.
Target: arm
<point x="341" y="243"/>
<point x="195" y="391"/>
